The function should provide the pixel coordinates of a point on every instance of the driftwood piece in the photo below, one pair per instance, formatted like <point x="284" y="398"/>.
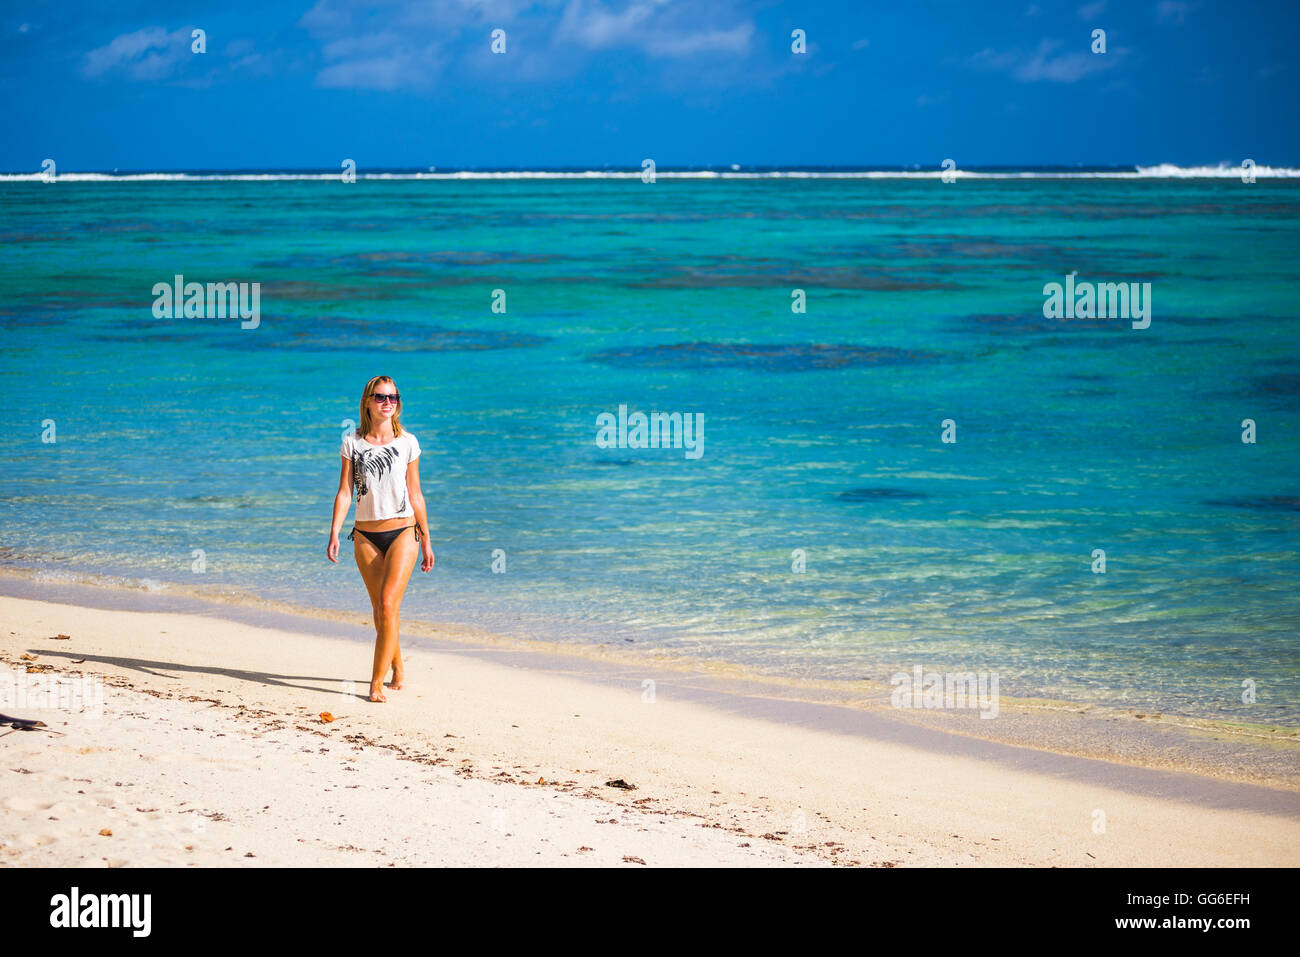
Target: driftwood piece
<point x="23" y="724"/>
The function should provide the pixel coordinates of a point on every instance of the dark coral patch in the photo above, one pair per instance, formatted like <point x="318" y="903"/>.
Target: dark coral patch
<point x="330" y="334"/>
<point x="763" y="357"/>
<point x="825" y="277"/>
<point x="1262" y="503"/>
<point x="1281" y="383"/>
<point x="877" y="494"/>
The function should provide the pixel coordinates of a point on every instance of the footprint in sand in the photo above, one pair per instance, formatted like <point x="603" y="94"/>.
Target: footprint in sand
<point x="36" y="840"/>
<point x="23" y="804"/>
<point x="46" y="775"/>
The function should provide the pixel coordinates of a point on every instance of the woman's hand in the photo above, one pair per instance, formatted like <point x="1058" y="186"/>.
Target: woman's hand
<point x="332" y="550"/>
<point x="428" y="555"/>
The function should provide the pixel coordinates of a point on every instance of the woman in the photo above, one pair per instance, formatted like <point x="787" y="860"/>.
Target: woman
<point x="379" y="460"/>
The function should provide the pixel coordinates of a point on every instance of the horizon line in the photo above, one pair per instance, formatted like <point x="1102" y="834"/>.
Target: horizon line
<point x="1247" y="170"/>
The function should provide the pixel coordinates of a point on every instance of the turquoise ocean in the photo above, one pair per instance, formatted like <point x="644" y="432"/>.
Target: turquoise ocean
<point x="822" y="428"/>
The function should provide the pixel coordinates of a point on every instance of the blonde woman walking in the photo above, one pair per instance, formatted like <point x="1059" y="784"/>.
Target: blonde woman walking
<point x="379" y="462"/>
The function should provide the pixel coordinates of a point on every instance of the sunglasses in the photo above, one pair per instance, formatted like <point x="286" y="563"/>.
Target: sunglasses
<point x="381" y="398"/>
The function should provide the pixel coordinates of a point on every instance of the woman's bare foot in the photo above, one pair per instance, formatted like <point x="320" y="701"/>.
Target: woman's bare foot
<point x="398" y="678"/>
<point x="377" y="691"/>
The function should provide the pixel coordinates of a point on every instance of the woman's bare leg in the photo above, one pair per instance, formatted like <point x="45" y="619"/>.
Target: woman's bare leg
<point x="399" y="562"/>
<point x="399" y="671"/>
<point x="370" y="562"/>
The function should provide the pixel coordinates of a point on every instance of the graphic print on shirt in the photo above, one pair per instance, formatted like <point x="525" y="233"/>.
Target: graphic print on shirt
<point x="373" y="465"/>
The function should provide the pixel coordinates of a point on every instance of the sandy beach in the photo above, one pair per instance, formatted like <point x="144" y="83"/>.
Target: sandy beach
<point x="210" y="749"/>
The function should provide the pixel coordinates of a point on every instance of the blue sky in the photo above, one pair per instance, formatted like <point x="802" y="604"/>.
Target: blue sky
<point x="398" y="83"/>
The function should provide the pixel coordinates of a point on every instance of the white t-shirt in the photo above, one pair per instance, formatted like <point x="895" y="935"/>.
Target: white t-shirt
<point x="379" y="475"/>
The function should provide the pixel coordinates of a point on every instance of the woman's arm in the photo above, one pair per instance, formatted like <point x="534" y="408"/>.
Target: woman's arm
<point x="342" y="502"/>
<point x="421" y="517"/>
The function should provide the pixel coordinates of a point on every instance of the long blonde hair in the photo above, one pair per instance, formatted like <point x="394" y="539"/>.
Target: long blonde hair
<point x="365" y="418"/>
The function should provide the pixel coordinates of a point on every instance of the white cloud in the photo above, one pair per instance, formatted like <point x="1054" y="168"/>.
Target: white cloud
<point x="735" y="40"/>
<point x="658" y="28"/>
<point x="600" y="28"/>
<point x="1066" y="68"/>
<point x="391" y="44"/>
<point x="371" y="44"/>
<point x="1043" y="65"/>
<point x="148" y="54"/>
<point x="990" y="59"/>
<point x="376" y="73"/>
<point x="379" y="61"/>
<point x="1090" y="10"/>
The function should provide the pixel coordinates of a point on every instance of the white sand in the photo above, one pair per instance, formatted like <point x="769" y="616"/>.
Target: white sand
<point x="209" y="751"/>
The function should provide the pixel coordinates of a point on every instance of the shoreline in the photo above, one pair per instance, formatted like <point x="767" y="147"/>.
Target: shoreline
<point x="755" y="779"/>
<point x="1257" y="754"/>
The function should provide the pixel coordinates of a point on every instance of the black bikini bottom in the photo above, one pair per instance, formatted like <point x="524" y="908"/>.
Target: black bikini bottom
<point x="381" y="540"/>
